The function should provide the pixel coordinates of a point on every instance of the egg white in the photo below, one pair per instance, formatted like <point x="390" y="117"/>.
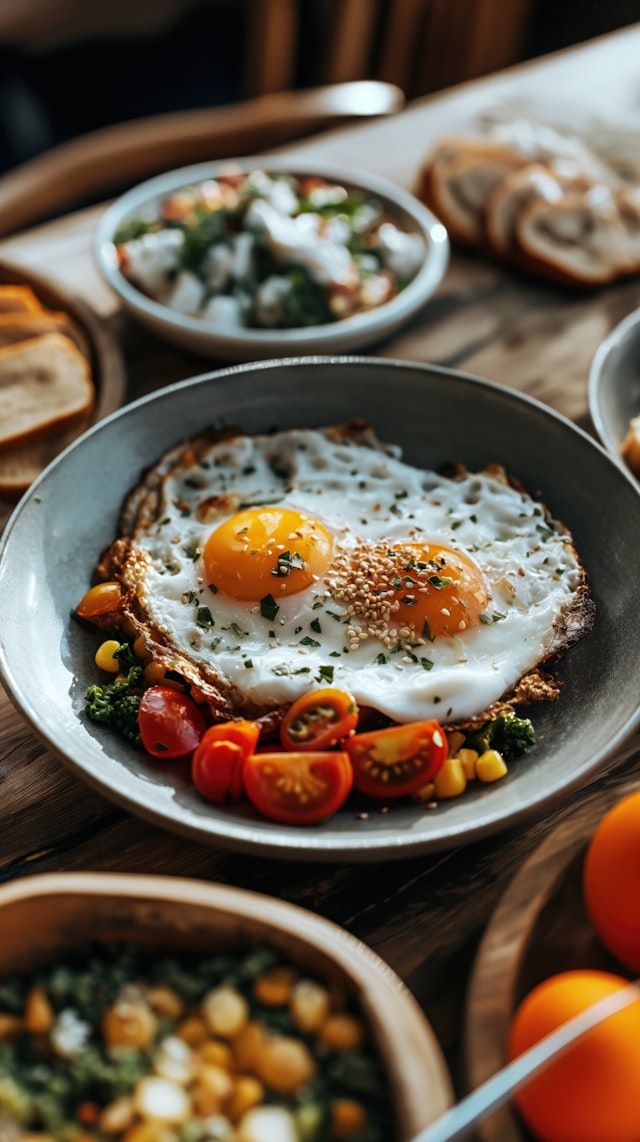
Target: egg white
<point x="361" y="494"/>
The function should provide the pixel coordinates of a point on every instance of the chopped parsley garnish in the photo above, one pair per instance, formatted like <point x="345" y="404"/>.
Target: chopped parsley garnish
<point x="335" y="615"/>
<point x="307" y="641"/>
<point x="213" y="588"/>
<point x="396" y="582"/>
<point x="248" y="662"/>
<point x="192" y="552"/>
<point x="426" y="663"/>
<point x="494" y="618"/>
<point x="381" y="659"/>
<point x="268" y="607"/>
<point x="325" y="674"/>
<point x="437" y="582"/>
<point x="190" y="597"/>
<point x="287" y="561"/>
<point x="410" y="600"/>
<point x="315" y="625"/>
<point x="426" y="631"/>
<point x="205" y="618"/>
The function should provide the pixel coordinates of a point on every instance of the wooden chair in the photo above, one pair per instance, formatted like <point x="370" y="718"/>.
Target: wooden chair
<point x="420" y="45"/>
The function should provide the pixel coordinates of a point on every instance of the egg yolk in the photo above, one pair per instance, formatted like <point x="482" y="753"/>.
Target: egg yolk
<point x="439" y="591"/>
<point x="267" y="551"/>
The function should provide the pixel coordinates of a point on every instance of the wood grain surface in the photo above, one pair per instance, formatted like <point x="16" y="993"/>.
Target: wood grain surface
<point x="424" y="915"/>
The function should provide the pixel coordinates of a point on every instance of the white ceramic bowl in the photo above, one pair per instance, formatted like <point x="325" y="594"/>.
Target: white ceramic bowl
<point x="199" y="336"/>
<point x="614" y="384"/>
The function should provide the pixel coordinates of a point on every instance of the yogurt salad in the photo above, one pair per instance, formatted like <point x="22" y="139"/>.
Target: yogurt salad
<point x="268" y="251"/>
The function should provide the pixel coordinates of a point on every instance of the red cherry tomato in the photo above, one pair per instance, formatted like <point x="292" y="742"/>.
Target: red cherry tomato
<point x="219" y="759"/>
<point x="170" y="723"/>
<point x="319" y="720"/>
<point x="298" y="788"/>
<point x="396" y="761"/>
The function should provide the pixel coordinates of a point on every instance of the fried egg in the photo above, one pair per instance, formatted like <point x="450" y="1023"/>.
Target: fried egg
<point x="263" y="566"/>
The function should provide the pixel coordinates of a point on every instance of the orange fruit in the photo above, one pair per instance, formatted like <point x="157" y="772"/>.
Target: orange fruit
<point x="611" y="881"/>
<point x="592" y="1092"/>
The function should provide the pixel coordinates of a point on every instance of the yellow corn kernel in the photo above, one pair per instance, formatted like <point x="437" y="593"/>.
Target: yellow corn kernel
<point x="117" y="1116"/>
<point x="217" y="1053"/>
<point x="450" y="780"/>
<point x="38" y="1013"/>
<point x="425" y="793"/>
<point x="347" y="1117"/>
<point x="165" y="1001"/>
<point x="104" y="656"/>
<point x="193" y="1031"/>
<point x="491" y="765"/>
<point x="129" y="1024"/>
<point x="249" y="1092"/>
<point x="467" y="759"/>
<point x="140" y="648"/>
<point x="145" y="1132"/>
<point x="247" y="1047"/>
<point x="274" y="987"/>
<point x="154" y="672"/>
<point x="10" y="1027"/>
<point x="455" y="740"/>
<point x="285" y="1064"/>
<point x="309" y="1004"/>
<point x="342" y="1033"/>
<point x="225" y="1011"/>
<point x="213" y="1088"/>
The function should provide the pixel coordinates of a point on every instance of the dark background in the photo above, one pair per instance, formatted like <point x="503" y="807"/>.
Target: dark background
<point x="53" y="91"/>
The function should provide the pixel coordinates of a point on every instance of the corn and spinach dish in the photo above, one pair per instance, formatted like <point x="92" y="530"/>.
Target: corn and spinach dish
<point x="268" y="251"/>
<point x="126" y="1043"/>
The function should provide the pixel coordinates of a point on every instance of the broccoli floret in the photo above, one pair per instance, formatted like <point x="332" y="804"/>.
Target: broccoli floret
<point x="113" y="705"/>
<point x="129" y="664"/>
<point x="509" y="734"/>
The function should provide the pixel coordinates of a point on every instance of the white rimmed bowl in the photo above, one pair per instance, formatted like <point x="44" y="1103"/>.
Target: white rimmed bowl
<point x="199" y="336"/>
<point x="614" y="384"/>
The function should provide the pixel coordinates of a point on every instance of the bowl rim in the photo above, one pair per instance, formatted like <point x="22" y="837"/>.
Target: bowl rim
<point x="243" y="836"/>
<point x="616" y="337"/>
<point x="378" y="320"/>
<point x="381" y="991"/>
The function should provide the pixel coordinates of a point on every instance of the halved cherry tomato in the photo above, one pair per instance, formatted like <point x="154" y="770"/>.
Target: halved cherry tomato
<point x="170" y="723"/>
<point x="219" y="759"/>
<point x="398" y="760"/>
<point x="319" y="720"/>
<point x="298" y="788"/>
<point x="99" y="600"/>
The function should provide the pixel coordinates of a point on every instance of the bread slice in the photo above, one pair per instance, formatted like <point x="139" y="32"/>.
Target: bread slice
<point x="21" y="463"/>
<point x="15" y="327"/>
<point x="18" y="299"/>
<point x="45" y="386"/>
<point x="458" y="178"/>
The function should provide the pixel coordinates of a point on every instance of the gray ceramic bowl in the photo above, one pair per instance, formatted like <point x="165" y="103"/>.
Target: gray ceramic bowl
<point x="50" y="549"/>
<point x="614" y="383"/>
<point x="199" y="336"/>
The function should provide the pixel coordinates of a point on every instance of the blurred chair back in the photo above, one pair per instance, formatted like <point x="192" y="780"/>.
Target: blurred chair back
<point x="420" y="45"/>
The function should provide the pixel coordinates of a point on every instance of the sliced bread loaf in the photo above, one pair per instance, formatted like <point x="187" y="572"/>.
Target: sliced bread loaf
<point x="16" y="327"/>
<point x="45" y="386"/>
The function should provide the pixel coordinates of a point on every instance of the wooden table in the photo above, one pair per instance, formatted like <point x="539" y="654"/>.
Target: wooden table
<point x="423" y="915"/>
